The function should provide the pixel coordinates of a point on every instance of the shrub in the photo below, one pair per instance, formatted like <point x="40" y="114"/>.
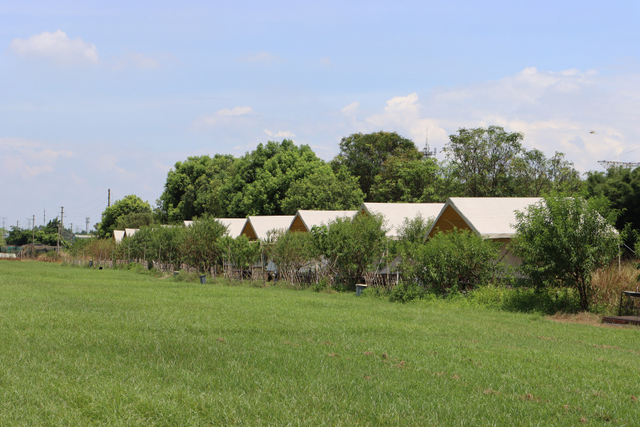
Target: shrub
<point x="404" y="292"/>
<point x="562" y="241"/>
<point x="456" y="260"/>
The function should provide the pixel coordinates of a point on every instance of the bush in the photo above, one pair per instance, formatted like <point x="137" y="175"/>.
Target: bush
<point x="404" y="292"/>
<point x="454" y="261"/>
<point x="562" y="241"/>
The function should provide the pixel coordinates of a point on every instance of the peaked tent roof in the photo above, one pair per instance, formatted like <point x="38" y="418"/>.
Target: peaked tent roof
<point x="489" y="217"/>
<point x="395" y="213"/>
<point x="118" y="235"/>
<point x="234" y="225"/>
<point x="129" y="232"/>
<point x="258" y="226"/>
<point x="309" y="219"/>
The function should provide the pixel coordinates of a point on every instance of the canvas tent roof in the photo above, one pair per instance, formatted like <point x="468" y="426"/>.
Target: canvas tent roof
<point x="118" y="235"/>
<point x="257" y="227"/>
<point x="305" y="220"/>
<point x="129" y="232"/>
<point x="489" y="217"/>
<point x="234" y="225"/>
<point x="394" y="214"/>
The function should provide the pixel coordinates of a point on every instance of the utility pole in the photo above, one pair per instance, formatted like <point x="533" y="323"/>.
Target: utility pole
<point x="33" y="230"/>
<point x="87" y="226"/>
<point x="109" y="198"/>
<point x="60" y="226"/>
<point x="18" y="225"/>
<point x="44" y="218"/>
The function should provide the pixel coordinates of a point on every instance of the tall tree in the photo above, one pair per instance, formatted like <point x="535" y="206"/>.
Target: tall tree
<point x="562" y="241"/>
<point x="621" y="186"/>
<point x="408" y="178"/>
<point x="490" y="162"/>
<point x="131" y="204"/>
<point x="323" y="190"/>
<point x="193" y="188"/>
<point x="364" y="155"/>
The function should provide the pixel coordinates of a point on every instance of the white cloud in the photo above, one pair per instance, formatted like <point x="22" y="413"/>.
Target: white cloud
<point x="56" y="47"/>
<point x="29" y="159"/>
<point x="325" y="61"/>
<point x="260" y="57"/>
<point x="224" y="116"/>
<point x="350" y="109"/>
<point x="556" y="110"/>
<point x="280" y="134"/>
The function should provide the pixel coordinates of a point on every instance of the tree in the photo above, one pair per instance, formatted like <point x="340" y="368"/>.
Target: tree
<point x="265" y="175"/>
<point x="290" y="251"/>
<point x="364" y="155"/>
<point x="193" y="188"/>
<point x="407" y="178"/>
<point x="455" y="260"/>
<point x="621" y="186"/>
<point x="323" y="190"/>
<point x="131" y="204"/>
<point x="351" y="245"/>
<point x="484" y="159"/>
<point x="47" y="235"/>
<point x="562" y="241"/>
<point x="200" y="245"/>
<point x="490" y="162"/>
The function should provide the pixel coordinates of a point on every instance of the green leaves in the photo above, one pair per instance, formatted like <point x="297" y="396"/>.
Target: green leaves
<point x="562" y="242"/>
<point x="131" y="204"/>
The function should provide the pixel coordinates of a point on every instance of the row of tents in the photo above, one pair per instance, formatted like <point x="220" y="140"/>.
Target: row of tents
<point x="489" y="217"/>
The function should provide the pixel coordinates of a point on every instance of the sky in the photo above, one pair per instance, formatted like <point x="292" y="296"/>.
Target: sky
<point x="99" y="96"/>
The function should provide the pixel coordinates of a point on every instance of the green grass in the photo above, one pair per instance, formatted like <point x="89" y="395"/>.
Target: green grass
<point x="109" y="347"/>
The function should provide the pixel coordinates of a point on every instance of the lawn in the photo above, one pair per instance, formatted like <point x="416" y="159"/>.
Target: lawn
<point x="110" y="347"/>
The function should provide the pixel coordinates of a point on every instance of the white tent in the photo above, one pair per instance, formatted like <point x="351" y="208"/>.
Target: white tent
<point x="394" y="214"/>
<point x="234" y="225"/>
<point x="305" y="220"/>
<point x="489" y="217"/>
<point x="118" y="235"/>
<point x="257" y="227"/>
<point x="129" y="232"/>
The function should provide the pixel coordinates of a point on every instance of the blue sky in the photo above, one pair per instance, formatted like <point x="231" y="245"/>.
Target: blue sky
<point x="109" y="95"/>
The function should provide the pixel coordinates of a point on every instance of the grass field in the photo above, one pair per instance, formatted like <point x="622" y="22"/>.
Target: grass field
<point x="106" y="347"/>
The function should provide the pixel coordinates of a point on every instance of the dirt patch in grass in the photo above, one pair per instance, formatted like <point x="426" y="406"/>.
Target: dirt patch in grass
<point x="582" y="318"/>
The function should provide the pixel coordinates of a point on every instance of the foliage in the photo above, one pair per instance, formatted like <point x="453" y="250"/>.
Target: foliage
<point x="454" y="261"/>
<point x="199" y="245"/>
<point x="490" y="162"/>
<point x="47" y="235"/>
<point x="323" y="190"/>
<point x="621" y="186"/>
<point x="562" y="241"/>
<point x="134" y="220"/>
<point x="273" y="179"/>
<point x="408" y="178"/>
<point x="351" y="245"/>
<point x="100" y="249"/>
<point x="131" y="204"/>
<point x="195" y="187"/>
<point x="290" y="251"/>
<point x="406" y="291"/>
<point x="364" y="155"/>
<point x="239" y="251"/>
<point x="161" y="244"/>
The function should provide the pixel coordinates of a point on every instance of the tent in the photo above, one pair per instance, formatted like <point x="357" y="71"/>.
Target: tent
<point x="257" y="227"/>
<point x="394" y="214"/>
<point x="305" y="220"/>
